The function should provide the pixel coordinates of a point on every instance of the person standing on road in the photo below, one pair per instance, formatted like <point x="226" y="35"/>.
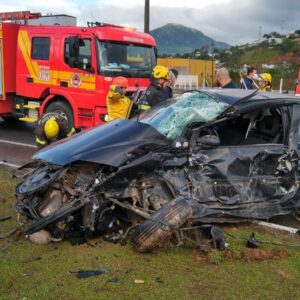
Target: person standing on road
<point x="224" y="80"/>
<point x="52" y="127"/>
<point x="168" y="90"/>
<point x="247" y="81"/>
<point x="118" y="105"/>
<point x="155" y="93"/>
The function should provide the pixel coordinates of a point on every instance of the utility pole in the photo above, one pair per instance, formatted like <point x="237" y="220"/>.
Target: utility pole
<point x="147" y="16"/>
<point x="212" y="62"/>
<point x="281" y="27"/>
<point x="259" y="33"/>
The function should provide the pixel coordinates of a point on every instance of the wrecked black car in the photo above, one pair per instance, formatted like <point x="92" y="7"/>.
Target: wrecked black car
<point x="204" y="157"/>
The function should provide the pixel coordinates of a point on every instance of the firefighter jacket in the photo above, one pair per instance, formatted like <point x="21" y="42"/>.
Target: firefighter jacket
<point x="64" y="129"/>
<point x="118" y="105"/>
<point x="266" y="88"/>
<point x="153" y="95"/>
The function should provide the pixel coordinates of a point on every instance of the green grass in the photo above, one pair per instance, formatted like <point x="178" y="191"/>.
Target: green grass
<point x="42" y="271"/>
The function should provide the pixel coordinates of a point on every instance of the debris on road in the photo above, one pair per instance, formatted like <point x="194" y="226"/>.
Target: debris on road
<point x="31" y="259"/>
<point x="159" y="280"/>
<point x="41" y="237"/>
<point x="4" y="218"/>
<point x="8" y="234"/>
<point x="113" y="280"/>
<point x="88" y="273"/>
<point x="252" y="242"/>
<point x="139" y="281"/>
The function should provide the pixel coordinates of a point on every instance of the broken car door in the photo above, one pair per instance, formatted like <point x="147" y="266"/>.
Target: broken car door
<point x="252" y="173"/>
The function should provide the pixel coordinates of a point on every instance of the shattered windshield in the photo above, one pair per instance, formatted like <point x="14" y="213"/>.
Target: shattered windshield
<point x="172" y="116"/>
<point x="121" y="59"/>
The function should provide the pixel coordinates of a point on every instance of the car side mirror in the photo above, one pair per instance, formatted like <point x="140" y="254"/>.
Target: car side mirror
<point x="209" y="141"/>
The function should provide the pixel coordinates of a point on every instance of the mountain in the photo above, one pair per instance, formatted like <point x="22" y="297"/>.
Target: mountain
<point x="175" y="38"/>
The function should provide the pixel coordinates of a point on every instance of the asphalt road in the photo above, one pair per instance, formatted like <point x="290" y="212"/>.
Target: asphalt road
<point x="17" y="146"/>
<point x="16" y="142"/>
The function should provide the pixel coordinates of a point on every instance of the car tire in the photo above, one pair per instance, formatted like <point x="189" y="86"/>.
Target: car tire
<point x="156" y="231"/>
<point x="62" y="107"/>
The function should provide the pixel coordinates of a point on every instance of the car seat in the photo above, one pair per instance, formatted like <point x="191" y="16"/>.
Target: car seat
<point x="267" y="130"/>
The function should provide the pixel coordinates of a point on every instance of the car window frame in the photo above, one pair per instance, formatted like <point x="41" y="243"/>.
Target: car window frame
<point x="286" y="123"/>
<point x="295" y="128"/>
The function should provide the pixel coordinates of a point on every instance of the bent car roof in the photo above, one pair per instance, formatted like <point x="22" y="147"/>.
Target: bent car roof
<point x="231" y="96"/>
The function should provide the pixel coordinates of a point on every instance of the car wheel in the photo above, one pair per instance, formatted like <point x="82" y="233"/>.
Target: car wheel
<point x="155" y="231"/>
<point x="62" y="107"/>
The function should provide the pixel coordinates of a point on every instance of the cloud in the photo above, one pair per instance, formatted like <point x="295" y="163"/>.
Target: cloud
<point x="231" y="21"/>
<point x="53" y="6"/>
<point x="166" y="3"/>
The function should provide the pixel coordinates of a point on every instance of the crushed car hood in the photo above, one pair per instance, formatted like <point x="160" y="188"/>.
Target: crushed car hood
<point x="109" y="144"/>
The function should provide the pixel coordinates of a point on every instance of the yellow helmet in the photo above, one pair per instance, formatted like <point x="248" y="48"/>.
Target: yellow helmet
<point x="266" y="77"/>
<point x="51" y="128"/>
<point x="161" y="72"/>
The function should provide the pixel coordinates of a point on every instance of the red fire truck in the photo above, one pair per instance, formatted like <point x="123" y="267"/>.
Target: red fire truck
<point x="68" y="68"/>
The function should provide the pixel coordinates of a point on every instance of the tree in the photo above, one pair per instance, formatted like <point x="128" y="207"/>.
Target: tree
<point x="275" y="34"/>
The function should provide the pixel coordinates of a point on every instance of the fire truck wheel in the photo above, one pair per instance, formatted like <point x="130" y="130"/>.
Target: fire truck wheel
<point x="63" y="107"/>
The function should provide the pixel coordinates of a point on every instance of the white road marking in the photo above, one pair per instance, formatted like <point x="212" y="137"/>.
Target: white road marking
<point x="18" y="144"/>
<point x="2" y="163"/>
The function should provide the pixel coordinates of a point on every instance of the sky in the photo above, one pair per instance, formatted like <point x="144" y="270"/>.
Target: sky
<point x="232" y="21"/>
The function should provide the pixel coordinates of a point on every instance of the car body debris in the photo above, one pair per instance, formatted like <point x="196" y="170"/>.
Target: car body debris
<point x="4" y="218"/>
<point x="210" y="156"/>
<point x="113" y="280"/>
<point x="139" y="281"/>
<point x="252" y="242"/>
<point x="89" y="273"/>
<point x="9" y="233"/>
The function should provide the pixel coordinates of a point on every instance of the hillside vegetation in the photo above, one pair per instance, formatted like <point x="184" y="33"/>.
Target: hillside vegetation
<point x="176" y="38"/>
<point x="280" y="59"/>
<point x="258" y="56"/>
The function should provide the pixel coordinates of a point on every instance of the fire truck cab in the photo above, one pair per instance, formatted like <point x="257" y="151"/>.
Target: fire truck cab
<point x="69" y="69"/>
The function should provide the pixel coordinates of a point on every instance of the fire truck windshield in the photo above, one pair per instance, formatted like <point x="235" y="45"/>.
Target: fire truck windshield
<point x="130" y="60"/>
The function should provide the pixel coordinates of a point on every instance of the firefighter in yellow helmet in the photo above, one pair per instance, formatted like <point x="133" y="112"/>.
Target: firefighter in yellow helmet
<point x="266" y="82"/>
<point x="118" y="105"/>
<point x="52" y="127"/>
<point x="155" y="94"/>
